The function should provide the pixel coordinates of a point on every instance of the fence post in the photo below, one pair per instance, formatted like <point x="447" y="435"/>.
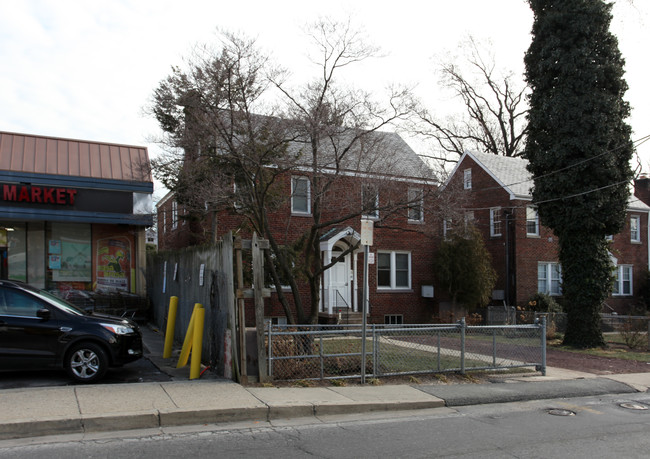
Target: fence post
<point x="494" y="348"/>
<point x="543" y="343"/>
<point x="270" y="350"/>
<point x="462" y="346"/>
<point x="322" y="362"/>
<point x="375" y="352"/>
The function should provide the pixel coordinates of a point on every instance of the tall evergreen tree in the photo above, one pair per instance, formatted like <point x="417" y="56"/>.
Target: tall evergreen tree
<point x="579" y="149"/>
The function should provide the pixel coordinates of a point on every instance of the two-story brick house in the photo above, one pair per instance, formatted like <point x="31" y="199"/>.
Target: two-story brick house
<point x="400" y="259"/>
<point x="524" y="253"/>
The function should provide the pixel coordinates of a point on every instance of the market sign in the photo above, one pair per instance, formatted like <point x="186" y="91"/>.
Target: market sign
<point x="38" y="194"/>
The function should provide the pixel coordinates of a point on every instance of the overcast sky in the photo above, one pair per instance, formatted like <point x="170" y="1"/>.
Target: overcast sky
<point x="85" y="69"/>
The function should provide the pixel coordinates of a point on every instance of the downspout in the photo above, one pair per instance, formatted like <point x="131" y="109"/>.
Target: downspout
<point x="507" y="297"/>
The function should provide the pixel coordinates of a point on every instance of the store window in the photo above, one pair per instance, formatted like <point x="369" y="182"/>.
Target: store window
<point x="69" y="255"/>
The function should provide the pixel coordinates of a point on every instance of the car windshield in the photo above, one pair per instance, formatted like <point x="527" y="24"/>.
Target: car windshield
<point x="61" y="303"/>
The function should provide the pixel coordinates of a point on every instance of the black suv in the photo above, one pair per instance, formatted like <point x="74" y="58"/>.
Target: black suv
<point x="38" y="329"/>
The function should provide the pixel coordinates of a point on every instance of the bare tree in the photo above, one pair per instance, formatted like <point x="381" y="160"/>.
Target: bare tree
<point x="341" y="133"/>
<point x="233" y="150"/>
<point x="494" y="115"/>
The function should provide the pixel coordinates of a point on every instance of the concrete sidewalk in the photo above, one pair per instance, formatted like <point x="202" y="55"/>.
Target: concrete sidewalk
<point x="113" y="407"/>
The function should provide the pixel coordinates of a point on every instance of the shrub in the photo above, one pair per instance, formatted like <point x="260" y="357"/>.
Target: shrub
<point x="542" y="302"/>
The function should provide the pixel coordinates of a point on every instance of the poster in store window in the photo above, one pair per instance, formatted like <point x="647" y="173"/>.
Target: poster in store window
<point x="75" y="263"/>
<point x="114" y="264"/>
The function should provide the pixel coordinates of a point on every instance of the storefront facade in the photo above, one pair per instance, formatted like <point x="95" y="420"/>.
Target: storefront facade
<point x="73" y="213"/>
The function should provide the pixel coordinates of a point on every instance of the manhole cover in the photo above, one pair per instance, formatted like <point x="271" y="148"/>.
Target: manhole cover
<point x="561" y="412"/>
<point x="633" y="406"/>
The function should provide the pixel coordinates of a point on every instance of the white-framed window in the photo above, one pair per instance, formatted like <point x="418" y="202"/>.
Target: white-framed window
<point x="300" y="195"/>
<point x="164" y="221"/>
<point x="416" y="204"/>
<point x="495" y="222"/>
<point x="635" y="228"/>
<point x="370" y="201"/>
<point x="467" y="179"/>
<point x="609" y="238"/>
<point x="549" y="278"/>
<point x="622" y="280"/>
<point x="393" y="319"/>
<point x="447" y="228"/>
<point x="393" y="270"/>
<point x="174" y="215"/>
<point x="468" y="218"/>
<point x="532" y="221"/>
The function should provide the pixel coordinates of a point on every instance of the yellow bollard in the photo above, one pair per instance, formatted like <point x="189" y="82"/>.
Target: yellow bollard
<point x="197" y="344"/>
<point x="187" y="344"/>
<point x="171" y="325"/>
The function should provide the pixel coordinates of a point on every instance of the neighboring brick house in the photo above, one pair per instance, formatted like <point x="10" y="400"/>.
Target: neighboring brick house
<point x="401" y="257"/>
<point x="525" y="253"/>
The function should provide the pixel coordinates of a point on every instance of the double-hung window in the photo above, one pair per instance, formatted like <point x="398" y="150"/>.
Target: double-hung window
<point x="622" y="280"/>
<point x="174" y="215"/>
<point x="495" y="222"/>
<point x="549" y="278"/>
<point x="415" y="205"/>
<point x="635" y="228"/>
<point x="300" y="195"/>
<point x="467" y="179"/>
<point x="532" y="221"/>
<point x="393" y="270"/>
<point x="370" y="201"/>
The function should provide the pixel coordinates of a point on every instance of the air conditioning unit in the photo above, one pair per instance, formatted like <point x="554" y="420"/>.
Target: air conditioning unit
<point x="427" y="291"/>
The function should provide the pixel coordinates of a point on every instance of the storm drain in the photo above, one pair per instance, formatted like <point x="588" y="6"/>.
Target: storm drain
<point x="561" y="412"/>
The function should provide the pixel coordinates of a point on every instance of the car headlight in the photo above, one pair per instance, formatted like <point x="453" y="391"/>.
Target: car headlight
<point x="118" y="329"/>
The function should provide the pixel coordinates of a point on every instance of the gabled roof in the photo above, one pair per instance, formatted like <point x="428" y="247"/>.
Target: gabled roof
<point x="25" y="154"/>
<point x="511" y="174"/>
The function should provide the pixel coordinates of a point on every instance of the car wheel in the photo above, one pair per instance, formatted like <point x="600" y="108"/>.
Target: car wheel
<point x="86" y="362"/>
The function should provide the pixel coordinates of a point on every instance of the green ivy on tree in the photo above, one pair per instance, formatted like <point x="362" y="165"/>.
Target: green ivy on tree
<point x="579" y="149"/>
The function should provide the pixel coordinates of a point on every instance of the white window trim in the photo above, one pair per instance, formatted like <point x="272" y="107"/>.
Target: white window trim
<point x="536" y="233"/>
<point x="174" y="215"/>
<point x="636" y="235"/>
<point x="467" y="179"/>
<point x="414" y="193"/>
<point x="393" y="271"/>
<point x="548" y="265"/>
<point x="493" y="222"/>
<point x="619" y="281"/>
<point x="447" y="228"/>
<point x="293" y="209"/>
<point x="164" y="221"/>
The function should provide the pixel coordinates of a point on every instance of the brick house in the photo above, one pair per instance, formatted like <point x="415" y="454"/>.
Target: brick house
<point x="400" y="262"/>
<point x="525" y="253"/>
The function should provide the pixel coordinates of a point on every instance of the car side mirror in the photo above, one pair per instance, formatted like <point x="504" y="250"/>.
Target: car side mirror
<point x="43" y="313"/>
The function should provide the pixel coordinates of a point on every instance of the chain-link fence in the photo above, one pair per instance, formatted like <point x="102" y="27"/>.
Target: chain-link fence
<point x="335" y="352"/>
<point x="634" y="331"/>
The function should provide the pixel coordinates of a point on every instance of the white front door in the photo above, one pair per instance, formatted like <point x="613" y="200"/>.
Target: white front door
<point x="340" y="275"/>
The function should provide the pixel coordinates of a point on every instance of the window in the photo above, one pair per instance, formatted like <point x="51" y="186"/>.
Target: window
<point x="549" y="278"/>
<point x="300" y="195"/>
<point x="370" y="201"/>
<point x="164" y="221"/>
<point x="467" y="179"/>
<point x="622" y="280"/>
<point x="393" y="270"/>
<point x="174" y="215"/>
<point x="635" y="228"/>
<point x="532" y="221"/>
<point x="446" y="228"/>
<point x="495" y="222"/>
<point x="415" y="205"/>
<point x="19" y="304"/>
<point x="393" y="319"/>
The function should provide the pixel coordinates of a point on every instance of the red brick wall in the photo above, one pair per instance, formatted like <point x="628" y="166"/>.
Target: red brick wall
<point x="529" y="250"/>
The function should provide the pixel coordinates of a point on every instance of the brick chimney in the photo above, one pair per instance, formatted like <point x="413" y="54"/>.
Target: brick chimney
<point x="642" y="188"/>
